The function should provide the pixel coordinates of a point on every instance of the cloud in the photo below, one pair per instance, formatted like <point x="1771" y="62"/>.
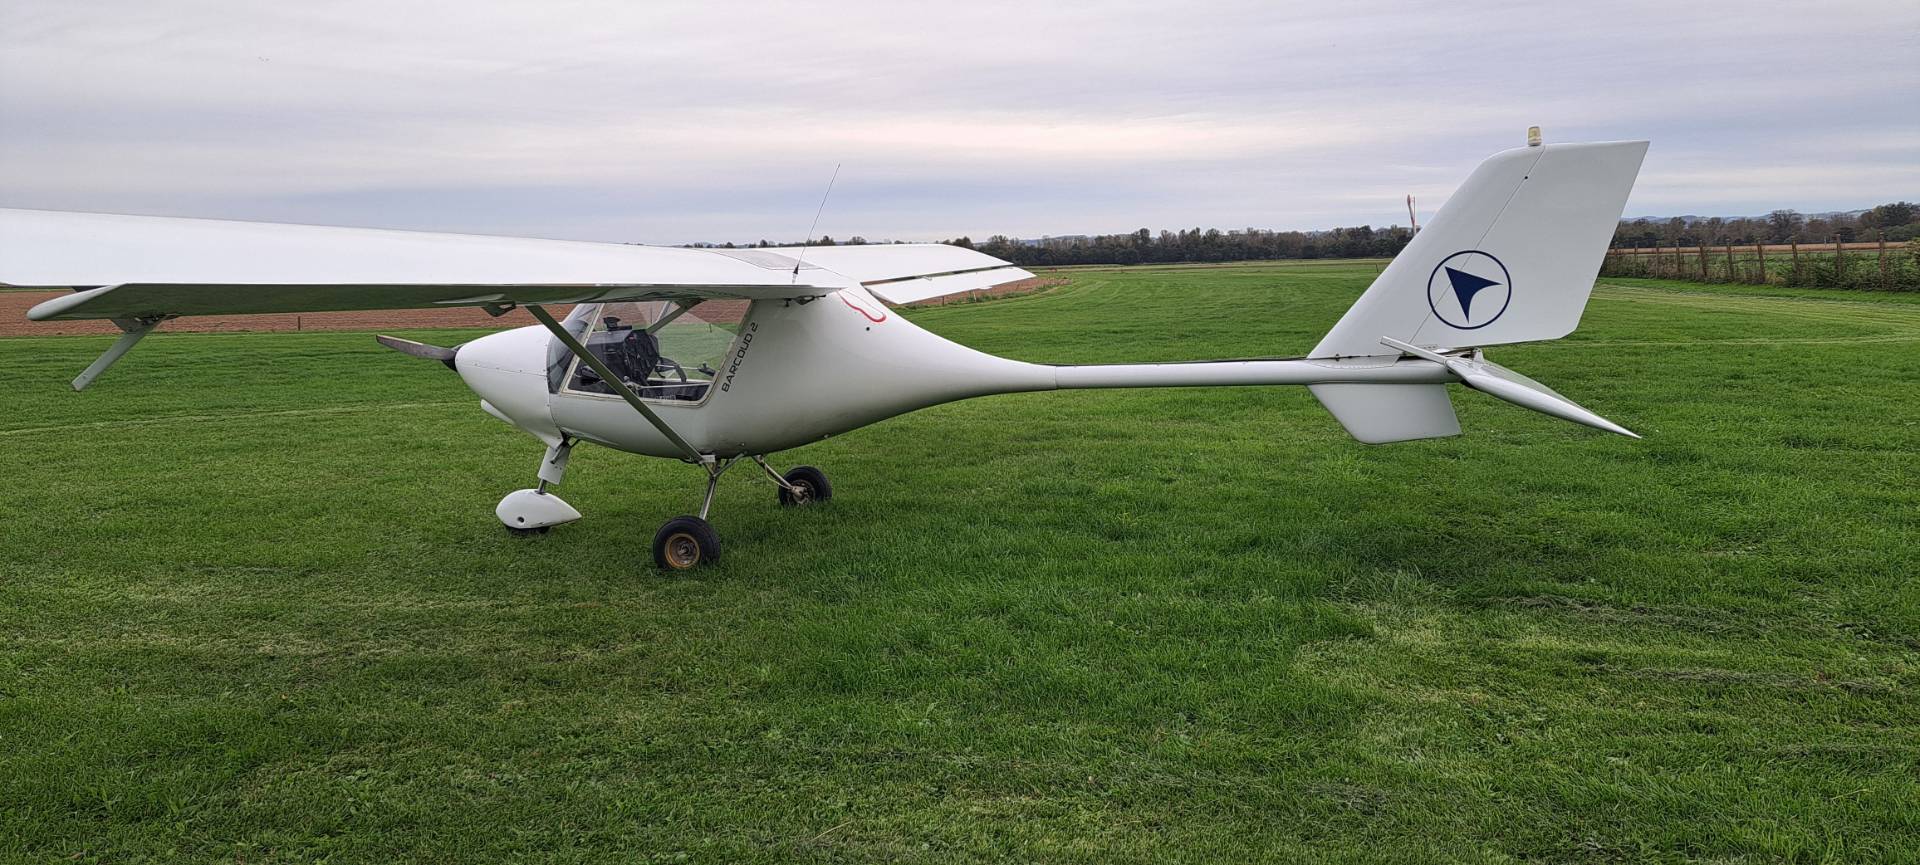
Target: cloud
<point x="670" y="122"/>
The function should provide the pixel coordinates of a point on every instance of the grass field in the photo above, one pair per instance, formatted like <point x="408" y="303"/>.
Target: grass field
<point x="254" y="606"/>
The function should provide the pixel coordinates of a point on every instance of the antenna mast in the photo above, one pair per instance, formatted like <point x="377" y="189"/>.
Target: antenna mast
<point x="801" y="259"/>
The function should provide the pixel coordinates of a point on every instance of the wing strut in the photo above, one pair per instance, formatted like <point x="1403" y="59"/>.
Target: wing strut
<point x="613" y="381"/>
<point x="132" y="330"/>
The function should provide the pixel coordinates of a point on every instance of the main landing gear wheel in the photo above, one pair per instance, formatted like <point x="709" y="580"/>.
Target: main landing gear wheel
<point x="685" y="543"/>
<point x="806" y="485"/>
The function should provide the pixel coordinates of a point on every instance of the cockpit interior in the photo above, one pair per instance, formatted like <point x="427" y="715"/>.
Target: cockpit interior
<point x="662" y="350"/>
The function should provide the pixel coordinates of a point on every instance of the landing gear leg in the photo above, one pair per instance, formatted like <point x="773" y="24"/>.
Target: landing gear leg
<point x="687" y="542"/>
<point x="801" y="485"/>
<point x="534" y="511"/>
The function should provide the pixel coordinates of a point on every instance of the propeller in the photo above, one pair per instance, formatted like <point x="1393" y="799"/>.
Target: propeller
<point x="419" y="349"/>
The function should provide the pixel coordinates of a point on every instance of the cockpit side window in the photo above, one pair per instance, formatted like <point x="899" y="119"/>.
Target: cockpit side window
<point x="663" y="350"/>
<point x="559" y="357"/>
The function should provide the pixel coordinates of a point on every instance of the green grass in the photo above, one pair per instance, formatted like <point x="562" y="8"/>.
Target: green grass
<point x="254" y="606"/>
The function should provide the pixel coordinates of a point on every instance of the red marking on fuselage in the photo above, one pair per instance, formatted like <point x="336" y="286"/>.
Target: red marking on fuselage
<point x="862" y="309"/>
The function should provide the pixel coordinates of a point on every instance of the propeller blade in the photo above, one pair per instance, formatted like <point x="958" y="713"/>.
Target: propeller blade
<point x="419" y="349"/>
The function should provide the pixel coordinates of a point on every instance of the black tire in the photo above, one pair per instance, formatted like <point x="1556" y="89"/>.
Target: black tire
<point x="685" y="543"/>
<point x="812" y="483"/>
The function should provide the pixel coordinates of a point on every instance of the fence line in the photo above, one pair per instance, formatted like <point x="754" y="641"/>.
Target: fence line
<point x="1898" y="268"/>
<point x="1770" y="247"/>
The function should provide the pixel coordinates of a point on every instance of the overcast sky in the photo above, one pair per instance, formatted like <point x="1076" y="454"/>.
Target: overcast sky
<point x="667" y="122"/>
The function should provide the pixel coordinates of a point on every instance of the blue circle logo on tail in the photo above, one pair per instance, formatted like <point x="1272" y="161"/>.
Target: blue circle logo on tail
<point x="1469" y="289"/>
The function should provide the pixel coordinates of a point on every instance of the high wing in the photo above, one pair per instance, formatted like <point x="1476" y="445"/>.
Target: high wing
<point x="138" y="271"/>
<point x="904" y="273"/>
<point x="145" y="267"/>
<point x="133" y="267"/>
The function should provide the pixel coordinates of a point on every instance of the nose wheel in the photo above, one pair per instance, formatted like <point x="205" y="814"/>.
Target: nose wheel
<point x="536" y="511"/>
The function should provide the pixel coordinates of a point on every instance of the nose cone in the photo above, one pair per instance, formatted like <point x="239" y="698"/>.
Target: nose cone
<point x="509" y="372"/>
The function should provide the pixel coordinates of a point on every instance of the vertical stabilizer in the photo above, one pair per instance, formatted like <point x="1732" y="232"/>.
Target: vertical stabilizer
<point x="1511" y="257"/>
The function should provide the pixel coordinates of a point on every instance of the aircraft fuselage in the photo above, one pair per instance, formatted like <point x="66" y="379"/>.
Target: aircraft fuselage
<point x="798" y="372"/>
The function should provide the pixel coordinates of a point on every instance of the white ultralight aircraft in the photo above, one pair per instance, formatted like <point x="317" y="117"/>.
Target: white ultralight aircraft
<point x="712" y="356"/>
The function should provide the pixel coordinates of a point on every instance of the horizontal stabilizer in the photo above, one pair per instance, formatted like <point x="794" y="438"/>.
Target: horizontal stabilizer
<point x="1491" y="378"/>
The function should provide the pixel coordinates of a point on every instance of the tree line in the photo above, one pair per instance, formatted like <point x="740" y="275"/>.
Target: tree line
<point x="1196" y="245"/>
<point x="1899" y="220"/>
<point x="1170" y="247"/>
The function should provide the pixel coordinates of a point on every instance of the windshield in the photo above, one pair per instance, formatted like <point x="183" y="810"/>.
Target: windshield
<point x="662" y="350"/>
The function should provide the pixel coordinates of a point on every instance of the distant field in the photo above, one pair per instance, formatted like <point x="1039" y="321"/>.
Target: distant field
<point x="1345" y="265"/>
<point x="254" y="606"/>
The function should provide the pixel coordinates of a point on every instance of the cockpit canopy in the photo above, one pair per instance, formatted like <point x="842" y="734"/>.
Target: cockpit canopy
<point x="662" y="350"/>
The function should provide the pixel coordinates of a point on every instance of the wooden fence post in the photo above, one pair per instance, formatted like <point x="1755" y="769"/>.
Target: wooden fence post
<point x="1796" y="260"/>
<point x="1731" y="276"/>
<point x="1839" y="261"/>
<point x="1885" y="283"/>
<point x="1760" y="249"/>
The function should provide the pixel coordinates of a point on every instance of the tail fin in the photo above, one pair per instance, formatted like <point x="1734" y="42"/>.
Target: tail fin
<point x="1511" y="257"/>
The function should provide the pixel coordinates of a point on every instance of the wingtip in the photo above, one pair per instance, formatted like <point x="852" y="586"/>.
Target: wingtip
<point x="1616" y="429"/>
